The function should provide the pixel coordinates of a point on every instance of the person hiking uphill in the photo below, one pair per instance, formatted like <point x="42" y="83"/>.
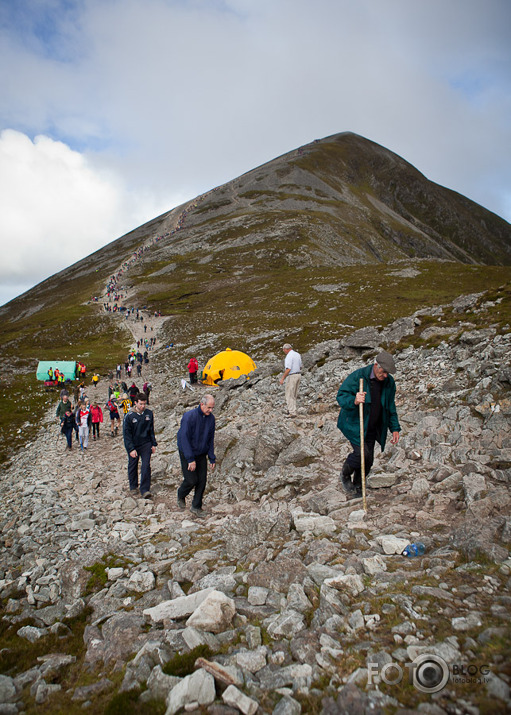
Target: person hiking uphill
<point x="291" y="377"/>
<point x="195" y="442"/>
<point x="67" y="425"/>
<point x="97" y="418"/>
<point x="380" y="416"/>
<point x="193" y="367"/>
<point x="140" y="443"/>
<point x="83" y="419"/>
<point x="113" y="409"/>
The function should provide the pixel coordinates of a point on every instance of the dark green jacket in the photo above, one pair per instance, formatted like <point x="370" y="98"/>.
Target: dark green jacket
<point x="349" y="416"/>
<point x="62" y="407"/>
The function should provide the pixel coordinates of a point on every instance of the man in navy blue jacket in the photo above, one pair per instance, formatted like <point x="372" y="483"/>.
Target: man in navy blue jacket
<point x="195" y="441"/>
<point x="140" y="442"/>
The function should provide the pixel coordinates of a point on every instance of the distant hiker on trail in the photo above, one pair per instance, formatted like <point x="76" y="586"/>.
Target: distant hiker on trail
<point x="380" y="415"/>
<point x="97" y="418"/>
<point x="133" y="392"/>
<point x="50" y="374"/>
<point x="111" y="406"/>
<point x="140" y="443"/>
<point x="63" y="406"/>
<point x="193" y="367"/>
<point x="67" y="425"/>
<point x="195" y="442"/>
<point x="118" y="371"/>
<point x="125" y="403"/>
<point x="83" y="419"/>
<point x="292" y="376"/>
<point x="95" y="379"/>
<point x="146" y="389"/>
<point x="139" y="369"/>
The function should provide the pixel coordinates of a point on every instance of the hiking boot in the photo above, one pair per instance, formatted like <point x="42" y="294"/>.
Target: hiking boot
<point x="347" y="484"/>
<point x="181" y="503"/>
<point x="345" y="477"/>
<point x="134" y="491"/>
<point x="198" y="512"/>
<point x="147" y="495"/>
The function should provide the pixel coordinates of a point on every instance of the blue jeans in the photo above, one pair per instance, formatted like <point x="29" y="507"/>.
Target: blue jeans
<point x="69" y="436"/>
<point x="144" y="452"/>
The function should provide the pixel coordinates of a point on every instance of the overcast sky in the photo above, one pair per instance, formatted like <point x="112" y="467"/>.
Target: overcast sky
<point x="114" y="111"/>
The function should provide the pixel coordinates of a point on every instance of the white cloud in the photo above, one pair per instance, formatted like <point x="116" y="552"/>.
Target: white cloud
<point x="56" y="208"/>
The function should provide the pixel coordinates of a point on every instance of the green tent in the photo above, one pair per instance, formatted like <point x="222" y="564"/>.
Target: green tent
<point x="65" y="366"/>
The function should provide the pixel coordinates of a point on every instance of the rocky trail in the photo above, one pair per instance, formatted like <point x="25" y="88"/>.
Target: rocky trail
<point x="287" y="597"/>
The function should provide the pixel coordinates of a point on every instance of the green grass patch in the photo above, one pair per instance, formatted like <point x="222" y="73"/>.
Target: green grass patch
<point x="18" y="654"/>
<point x="98" y="575"/>
<point x="182" y="664"/>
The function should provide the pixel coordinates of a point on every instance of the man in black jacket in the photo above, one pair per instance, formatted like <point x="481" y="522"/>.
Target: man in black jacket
<point x="139" y="440"/>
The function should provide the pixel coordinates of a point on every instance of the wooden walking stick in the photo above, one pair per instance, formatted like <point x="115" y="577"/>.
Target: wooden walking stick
<point x="362" y="447"/>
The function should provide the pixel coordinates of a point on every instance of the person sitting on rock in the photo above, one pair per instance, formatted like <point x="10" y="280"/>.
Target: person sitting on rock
<point x="380" y="415"/>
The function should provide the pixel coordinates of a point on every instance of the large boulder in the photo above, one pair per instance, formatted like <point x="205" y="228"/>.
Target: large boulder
<point x="214" y="614"/>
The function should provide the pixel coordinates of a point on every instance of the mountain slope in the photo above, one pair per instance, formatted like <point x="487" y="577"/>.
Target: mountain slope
<point x="305" y="247"/>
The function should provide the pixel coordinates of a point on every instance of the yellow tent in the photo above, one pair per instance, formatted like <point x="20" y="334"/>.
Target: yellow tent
<point x="225" y="365"/>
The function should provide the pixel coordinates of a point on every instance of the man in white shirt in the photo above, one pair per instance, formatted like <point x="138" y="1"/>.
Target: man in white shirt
<point x="292" y="376"/>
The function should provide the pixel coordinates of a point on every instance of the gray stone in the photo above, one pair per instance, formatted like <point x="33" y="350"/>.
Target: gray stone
<point x="379" y="481"/>
<point x="287" y="706"/>
<point x="31" y="633"/>
<point x="351" y="583"/>
<point x="420" y="488"/>
<point x="142" y="581"/>
<point x="474" y="485"/>
<point x="277" y="575"/>
<point x="234" y="697"/>
<point x="214" y="613"/>
<point x="298" y="676"/>
<point x="313" y="523"/>
<point x="199" y="687"/>
<point x="466" y="623"/>
<point x="7" y="689"/>
<point x="374" y="564"/>
<point x="297" y="598"/>
<point x="368" y="337"/>
<point x="497" y="688"/>
<point x="160" y="684"/>
<point x="392" y="544"/>
<point x="87" y="691"/>
<point x="194" y="637"/>
<point x="245" y="533"/>
<point x="177" y="608"/>
<point x="257" y="595"/>
<point x="288" y="624"/>
<point x="252" y="660"/>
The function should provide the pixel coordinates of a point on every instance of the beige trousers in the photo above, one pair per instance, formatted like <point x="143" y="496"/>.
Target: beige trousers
<point x="292" y="385"/>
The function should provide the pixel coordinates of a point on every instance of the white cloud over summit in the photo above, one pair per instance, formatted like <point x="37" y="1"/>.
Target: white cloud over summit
<point x="56" y="207"/>
<point x="114" y="111"/>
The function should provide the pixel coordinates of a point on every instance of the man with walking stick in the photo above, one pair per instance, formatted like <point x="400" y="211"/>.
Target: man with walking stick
<point x="368" y="411"/>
